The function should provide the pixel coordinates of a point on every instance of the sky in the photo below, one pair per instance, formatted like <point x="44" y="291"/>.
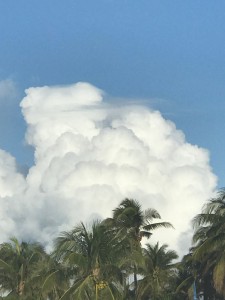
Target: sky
<point x="139" y="56"/>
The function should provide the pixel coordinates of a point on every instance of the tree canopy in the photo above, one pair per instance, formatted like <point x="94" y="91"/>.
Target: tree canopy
<point x="107" y="259"/>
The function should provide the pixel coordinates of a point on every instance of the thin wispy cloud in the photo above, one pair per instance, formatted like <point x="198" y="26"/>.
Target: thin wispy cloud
<point x="8" y="91"/>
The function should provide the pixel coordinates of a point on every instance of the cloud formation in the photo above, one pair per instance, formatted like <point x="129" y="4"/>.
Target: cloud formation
<point x="90" y="155"/>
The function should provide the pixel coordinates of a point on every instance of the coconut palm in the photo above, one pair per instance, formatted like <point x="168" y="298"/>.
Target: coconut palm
<point x="209" y="240"/>
<point x="53" y="278"/>
<point x="130" y="221"/>
<point x="93" y="257"/>
<point x="188" y="277"/>
<point x="158" y="273"/>
<point x="17" y="264"/>
<point x="137" y="223"/>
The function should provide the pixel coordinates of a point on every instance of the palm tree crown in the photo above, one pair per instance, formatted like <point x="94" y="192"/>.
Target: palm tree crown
<point x="134" y="221"/>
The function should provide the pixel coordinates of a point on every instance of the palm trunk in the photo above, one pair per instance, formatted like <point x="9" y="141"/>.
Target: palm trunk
<point x="20" y="288"/>
<point x="96" y="291"/>
<point x="135" y="283"/>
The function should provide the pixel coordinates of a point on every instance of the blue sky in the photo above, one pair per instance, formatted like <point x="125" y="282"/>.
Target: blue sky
<point x="169" y="51"/>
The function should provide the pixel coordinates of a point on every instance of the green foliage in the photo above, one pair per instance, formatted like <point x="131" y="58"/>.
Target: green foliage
<point x="93" y="257"/>
<point x="17" y="268"/>
<point x="158" y="272"/>
<point x="209" y="239"/>
<point x="106" y="260"/>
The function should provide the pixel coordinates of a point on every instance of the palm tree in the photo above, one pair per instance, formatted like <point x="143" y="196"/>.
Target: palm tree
<point x="209" y="240"/>
<point x="93" y="257"/>
<point x="187" y="277"/>
<point x="17" y="264"/>
<point x="53" y="278"/>
<point x="159" y="273"/>
<point x="130" y="221"/>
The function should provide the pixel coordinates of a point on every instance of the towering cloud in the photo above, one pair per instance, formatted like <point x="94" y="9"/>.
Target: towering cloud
<point x="89" y="155"/>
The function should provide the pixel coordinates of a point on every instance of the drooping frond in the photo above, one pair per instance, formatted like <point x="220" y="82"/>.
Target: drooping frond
<point x="154" y="226"/>
<point x="150" y="214"/>
<point x="219" y="275"/>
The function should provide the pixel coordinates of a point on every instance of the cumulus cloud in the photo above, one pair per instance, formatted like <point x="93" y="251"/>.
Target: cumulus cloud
<point x="89" y="155"/>
<point x="12" y="183"/>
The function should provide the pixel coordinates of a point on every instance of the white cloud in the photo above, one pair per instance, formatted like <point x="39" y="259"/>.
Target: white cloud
<point x="12" y="184"/>
<point x="89" y="156"/>
<point x="11" y="181"/>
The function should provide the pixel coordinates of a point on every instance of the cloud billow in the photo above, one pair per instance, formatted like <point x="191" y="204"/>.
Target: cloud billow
<point x="89" y="155"/>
